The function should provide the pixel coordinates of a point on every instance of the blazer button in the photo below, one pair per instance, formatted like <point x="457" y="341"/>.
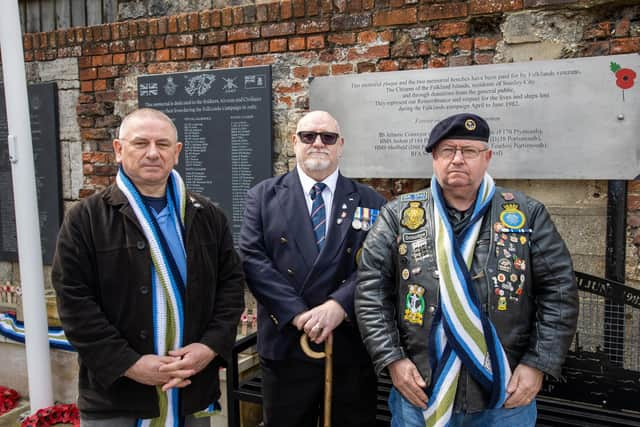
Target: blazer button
<point x="290" y="271"/>
<point x="432" y="309"/>
<point x="141" y="244"/>
<point x="143" y="334"/>
<point x="144" y="290"/>
<point x="273" y="318"/>
<point x="348" y="250"/>
<point x="283" y="240"/>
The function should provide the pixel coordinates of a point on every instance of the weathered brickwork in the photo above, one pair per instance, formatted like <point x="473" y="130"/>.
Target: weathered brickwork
<point x="301" y="39"/>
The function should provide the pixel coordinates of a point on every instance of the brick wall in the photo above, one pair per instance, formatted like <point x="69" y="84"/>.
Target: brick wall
<point x="307" y="38"/>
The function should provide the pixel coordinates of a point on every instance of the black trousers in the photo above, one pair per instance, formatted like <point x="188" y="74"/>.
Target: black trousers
<point x="293" y="394"/>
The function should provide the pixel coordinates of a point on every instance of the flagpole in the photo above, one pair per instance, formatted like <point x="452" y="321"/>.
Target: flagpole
<point x="26" y="208"/>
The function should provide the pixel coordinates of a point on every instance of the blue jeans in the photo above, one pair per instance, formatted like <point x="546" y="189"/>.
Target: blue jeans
<point x="404" y="414"/>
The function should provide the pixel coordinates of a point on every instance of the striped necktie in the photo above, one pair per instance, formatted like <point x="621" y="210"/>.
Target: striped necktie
<point x="318" y="214"/>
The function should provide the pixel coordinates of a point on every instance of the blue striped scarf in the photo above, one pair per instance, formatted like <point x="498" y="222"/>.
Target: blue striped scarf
<point x="462" y="332"/>
<point x="168" y="284"/>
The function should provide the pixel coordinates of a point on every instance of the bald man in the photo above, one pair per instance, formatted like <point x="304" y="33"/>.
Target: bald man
<point x="299" y="241"/>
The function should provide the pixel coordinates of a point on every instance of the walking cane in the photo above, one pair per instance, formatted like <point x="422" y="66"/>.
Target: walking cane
<point x="328" y="371"/>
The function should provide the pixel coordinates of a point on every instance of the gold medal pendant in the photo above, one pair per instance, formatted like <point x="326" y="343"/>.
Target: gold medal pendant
<point x="413" y="216"/>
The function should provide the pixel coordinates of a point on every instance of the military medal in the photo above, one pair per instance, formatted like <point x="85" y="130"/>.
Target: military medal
<point x="413" y="216"/>
<point x="357" y="219"/>
<point x="366" y="217"/>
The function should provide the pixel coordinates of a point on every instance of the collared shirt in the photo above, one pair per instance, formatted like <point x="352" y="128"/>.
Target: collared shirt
<point x="327" y="194"/>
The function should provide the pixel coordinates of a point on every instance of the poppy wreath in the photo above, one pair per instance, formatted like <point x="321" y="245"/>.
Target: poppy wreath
<point x="57" y="414"/>
<point x="8" y="399"/>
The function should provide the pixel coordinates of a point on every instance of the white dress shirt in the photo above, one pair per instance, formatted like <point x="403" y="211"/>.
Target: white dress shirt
<point x="327" y="194"/>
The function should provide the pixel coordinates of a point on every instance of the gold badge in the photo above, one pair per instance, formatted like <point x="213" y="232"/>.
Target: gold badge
<point x="405" y="274"/>
<point x="402" y="249"/>
<point x="470" y="124"/>
<point x="413" y="216"/>
<point x="502" y="303"/>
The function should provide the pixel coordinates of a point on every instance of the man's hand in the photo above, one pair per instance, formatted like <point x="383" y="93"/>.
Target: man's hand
<point x="147" y="371"/>
<point x="409" y="382"/>
<point x="188" y="361"/>
<point x="524" y="385"/>
<point x="320" y="321"/>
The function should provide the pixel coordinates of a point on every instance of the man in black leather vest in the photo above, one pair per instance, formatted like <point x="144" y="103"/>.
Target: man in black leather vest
<point x="466" y="292"/>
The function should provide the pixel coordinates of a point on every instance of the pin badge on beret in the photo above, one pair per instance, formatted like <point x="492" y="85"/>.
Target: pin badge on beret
<point x="470" y="125"/>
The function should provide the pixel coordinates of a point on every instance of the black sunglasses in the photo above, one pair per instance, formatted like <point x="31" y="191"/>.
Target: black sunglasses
<point x="309" y="137"/>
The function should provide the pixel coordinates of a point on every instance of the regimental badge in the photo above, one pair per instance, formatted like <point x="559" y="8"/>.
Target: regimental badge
<point x="470" y="125"/>
<point x="414" y="197"/>
<point x="413" y="216"/>
<point x="414" y="304"/>
<point x="504" y="265"/>
<point x="511" y="217"/>
<point x="402" y="249"/>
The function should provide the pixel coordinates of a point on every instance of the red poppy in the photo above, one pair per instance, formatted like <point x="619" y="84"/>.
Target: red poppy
<point x="625" y="77"/>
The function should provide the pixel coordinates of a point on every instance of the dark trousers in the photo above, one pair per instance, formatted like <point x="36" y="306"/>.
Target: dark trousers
<point x="293" y="394"/>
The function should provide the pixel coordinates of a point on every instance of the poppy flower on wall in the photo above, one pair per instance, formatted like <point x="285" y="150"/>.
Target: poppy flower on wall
<point x="624" y="77"/>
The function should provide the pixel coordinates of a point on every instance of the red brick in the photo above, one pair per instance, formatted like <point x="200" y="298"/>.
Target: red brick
<point x="373" y="52"/>
<point x="216" y="19"/>
<point x="445" y="30"/>
<point x="365" y="67"/>
<point x="460" y="60"/>
<point x="315" y="42"/>
<point x="85" y="61"/>
<point x="313" y="26"/>
<point x="313" y="8"/>
<point x="622" y="28"/>
<point x="261" y="46"/>
<point x="286" y="11"/>
<point x="28" y="56"/>
<point x="227" y="50"/>
<point x="633" y="202"/>
<point x="424" y="48"/>
<point x="367" y="37"/>
<point x="163" y="54"/>
<point x="262" y="14"/>
<point x="297" y="43"/>
<point x="85" y="99"/>
<point x="179" y="40"/>
<point x="597" y="31"/>
<point x="278" y="30"/>
<point x="395" y="17"/>
<point x="238" y="16"/>
<point x="442" y="11"/>
<point x="485" y="43"/>
<point x="341" y="39"/>
<point x="205" y="19"/>
<point x="99" y="85"/>
<point x="210" y="52"/>
<point x="183" y="24"/>
<point x="96" y="49"/>
<point x="178" y="54"/>
<point x="243" y="48"/>
<point x="298" y="8"/>
<point x="483" y="58"/>
<point x="107" y="72"/>
<point x="61" y="40"/>
<point x="445" y="47"/>
<point x="396" y="3"/>
<point x="341" y="68"/>
<point x="158" y="42"/>
<point x="278" y="45"/>
<point x="412" y="64"/>
<point x="212" y="37"/>
<point x="625" y="45"/>
<point x="194" y="52"/>
<point x="465" y="44"/>
<point x="368" y="4"/>
<point x="300" y="72"/>
<point x="86" y="86"/>
<point x="437" y="62"/>
<point x="326" y="6"/>
<point x="243" y="34"/>
<point x="117" y="47"/>
<point x="480" y="7"/>
<point x="88" y="73"/>
<point x="273" y="11"/>
<point x="320" y="70"/>
<point x="292" y="88"/>
<point x="133" y="57"/>
<point x="388" y="65"/>
<point x="227" y="17"/>
<point x="634" y="186"/>
<point x="252" y="61"/>
<point x="172" y="24"/>
<point x="144" y="44"/>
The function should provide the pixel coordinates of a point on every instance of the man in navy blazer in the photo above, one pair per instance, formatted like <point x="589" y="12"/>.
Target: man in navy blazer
<point x="300" y="240"/>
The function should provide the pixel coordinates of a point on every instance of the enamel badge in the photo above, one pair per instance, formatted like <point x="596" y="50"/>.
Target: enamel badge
<point x="414" y="304"/>
<point x="413" y="216"/>
<point x="511" y="217"/>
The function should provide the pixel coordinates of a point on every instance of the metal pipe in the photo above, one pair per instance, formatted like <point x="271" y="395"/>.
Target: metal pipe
<point x="26" y="208"/>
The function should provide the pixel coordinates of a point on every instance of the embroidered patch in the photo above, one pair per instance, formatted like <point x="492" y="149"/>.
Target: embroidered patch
<point x="413" y="216"/>
<point x="511" y="217"/>
<point x="411" y="237"/>
<point x="414" y="304"/>
<point x="414" y="197"/>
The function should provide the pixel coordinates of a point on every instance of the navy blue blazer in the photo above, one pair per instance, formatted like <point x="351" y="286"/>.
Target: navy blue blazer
<point x="284" y="270"/>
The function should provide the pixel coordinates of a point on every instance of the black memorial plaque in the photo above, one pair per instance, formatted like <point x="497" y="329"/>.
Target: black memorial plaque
<point x="224" y="120"/>
<point x="43" y="111"/>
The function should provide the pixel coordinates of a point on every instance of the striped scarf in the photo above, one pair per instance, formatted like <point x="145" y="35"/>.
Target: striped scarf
<point x="462" y="332"/>
<point x="167" y="283"/>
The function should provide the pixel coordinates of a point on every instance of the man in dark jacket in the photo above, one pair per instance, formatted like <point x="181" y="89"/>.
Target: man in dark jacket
<point x="466" y="292"/>
<point x="299" y="241"/>
<point x="149" y="287"/>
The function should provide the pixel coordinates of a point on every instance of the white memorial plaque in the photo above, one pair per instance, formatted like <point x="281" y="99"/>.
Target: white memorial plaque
<point x="562" y="119"/>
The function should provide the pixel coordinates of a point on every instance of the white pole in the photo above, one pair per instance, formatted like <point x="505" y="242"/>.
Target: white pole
<point x="26" y="206"/>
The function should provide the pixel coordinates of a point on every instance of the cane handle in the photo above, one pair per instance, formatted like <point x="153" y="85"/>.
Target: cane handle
<point x="304" y="343"/>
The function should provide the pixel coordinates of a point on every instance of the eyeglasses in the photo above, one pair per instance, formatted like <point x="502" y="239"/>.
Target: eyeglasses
<point x="468" y="153"/>
<point x="309" y="137"/>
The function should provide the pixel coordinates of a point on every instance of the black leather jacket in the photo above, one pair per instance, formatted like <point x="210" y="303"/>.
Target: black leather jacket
<point x="535" y="324"/>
